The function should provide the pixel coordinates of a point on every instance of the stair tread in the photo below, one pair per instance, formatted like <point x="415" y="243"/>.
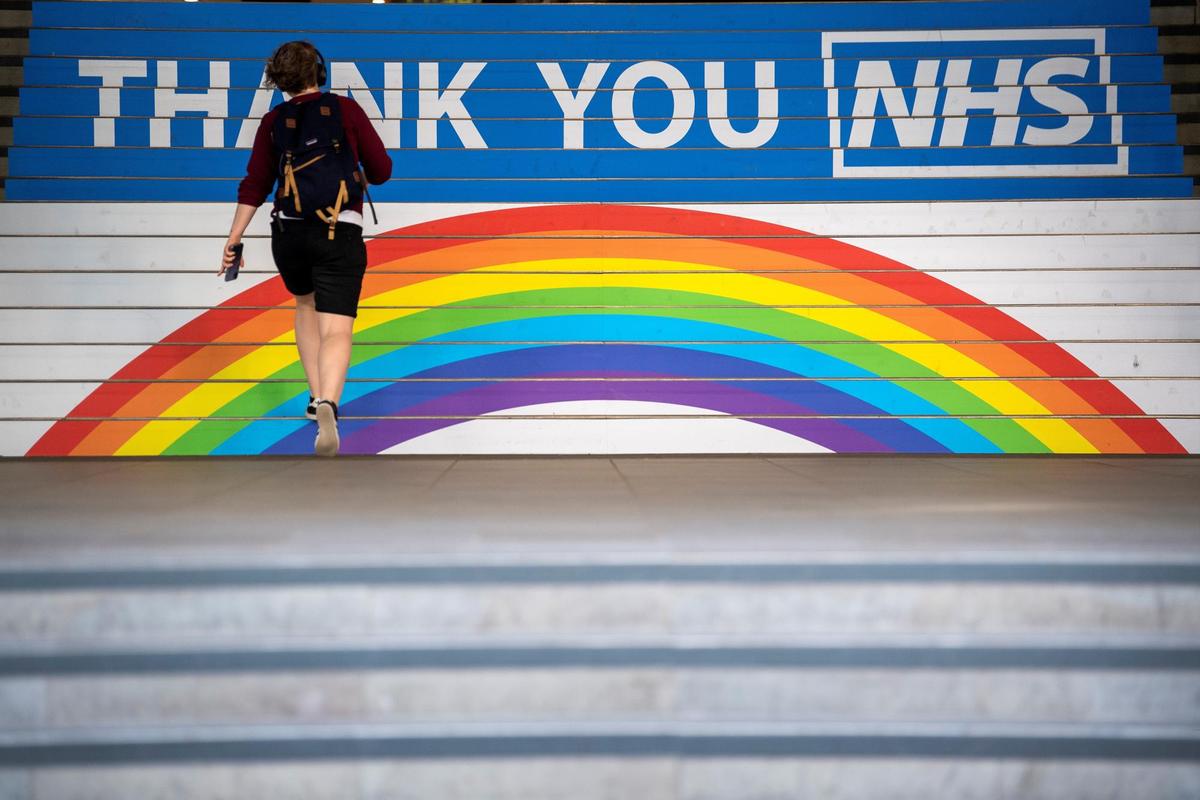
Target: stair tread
<point x="703" y="568"/>
<point x="241" y="732"/>
<point x="189" y="653"/>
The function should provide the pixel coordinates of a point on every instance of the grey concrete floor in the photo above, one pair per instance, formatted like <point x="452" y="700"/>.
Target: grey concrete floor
<point x="379" y="510"/>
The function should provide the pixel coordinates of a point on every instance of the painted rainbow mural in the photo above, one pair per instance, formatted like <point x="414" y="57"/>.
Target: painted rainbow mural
<point x="824" y="341"/>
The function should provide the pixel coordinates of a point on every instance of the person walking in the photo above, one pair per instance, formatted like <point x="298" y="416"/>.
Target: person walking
<point x="311" y="146"/>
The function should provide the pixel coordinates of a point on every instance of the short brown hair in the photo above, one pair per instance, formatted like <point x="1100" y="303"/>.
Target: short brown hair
<point x="294" y="66"/>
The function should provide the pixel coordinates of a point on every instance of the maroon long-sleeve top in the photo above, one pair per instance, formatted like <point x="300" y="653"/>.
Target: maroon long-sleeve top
<point x="364" y="142"/>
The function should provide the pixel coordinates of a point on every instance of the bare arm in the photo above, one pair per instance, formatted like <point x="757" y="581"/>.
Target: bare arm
<point x="253" y="189"/>
<point x="241" y="220"/>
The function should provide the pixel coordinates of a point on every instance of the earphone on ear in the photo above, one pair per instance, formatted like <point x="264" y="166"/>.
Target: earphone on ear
<point x="322" y="72"/>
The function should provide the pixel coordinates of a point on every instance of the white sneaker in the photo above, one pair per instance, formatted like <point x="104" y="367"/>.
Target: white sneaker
<point x="327" y="433"/>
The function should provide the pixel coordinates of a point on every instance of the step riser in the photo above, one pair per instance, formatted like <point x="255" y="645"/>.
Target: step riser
<point x="631" y="609"/>
<point x="602" y="695"/>
<point x="616" y="779"/>
<point x="1178" y="44"/>
<point x="1173" y="15"/>
<point x="1185" y="103"/>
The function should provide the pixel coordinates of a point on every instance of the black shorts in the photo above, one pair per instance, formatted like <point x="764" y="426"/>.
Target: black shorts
<point x="310" y="262"/>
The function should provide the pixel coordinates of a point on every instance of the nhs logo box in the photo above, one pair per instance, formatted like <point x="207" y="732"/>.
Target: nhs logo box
<point x="810" y="102"/>
<point x="972" y="103"/>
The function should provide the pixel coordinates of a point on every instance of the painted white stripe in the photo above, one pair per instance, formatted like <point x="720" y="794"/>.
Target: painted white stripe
<point x="834" y="38"/>
<point x="1149" y="360"/>
<point x="1118" y="167"/>
<point x="718" y="435"/>
<point x="87" y="362"/>
<point x="1137" y="322"/>
<point x="1133" y="250"/>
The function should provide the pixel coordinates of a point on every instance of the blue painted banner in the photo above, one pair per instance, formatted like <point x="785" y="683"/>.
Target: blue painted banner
<point x="588" y="18"/>
<point x="839" y="101"/>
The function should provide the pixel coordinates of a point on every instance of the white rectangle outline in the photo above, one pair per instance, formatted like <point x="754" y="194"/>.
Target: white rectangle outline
<point x="840" y="170"/>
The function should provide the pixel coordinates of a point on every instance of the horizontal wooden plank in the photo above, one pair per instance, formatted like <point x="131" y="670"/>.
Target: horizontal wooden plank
<point x="146" y="326"/>
<point x="1172" y="397"/>
<point x="825" y="219"/>
<point x="192" y="290"/>
<point x="91" y="363"/>
<point x="922" y="252"/>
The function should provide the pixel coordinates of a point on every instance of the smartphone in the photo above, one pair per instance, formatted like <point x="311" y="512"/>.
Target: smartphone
<point x="232" y="272"/>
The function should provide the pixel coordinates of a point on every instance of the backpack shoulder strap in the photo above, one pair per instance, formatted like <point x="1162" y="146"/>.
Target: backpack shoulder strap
<point x="357" y="174"/>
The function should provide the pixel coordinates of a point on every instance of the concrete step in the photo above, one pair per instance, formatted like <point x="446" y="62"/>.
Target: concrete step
<point x="649" y="601"/>
<point x="677" y="760"/>
<point x="165" y="654"/>
<point x="780" y="508"/>
<point x="896" y="693"/>
<point x="609" y="778"/>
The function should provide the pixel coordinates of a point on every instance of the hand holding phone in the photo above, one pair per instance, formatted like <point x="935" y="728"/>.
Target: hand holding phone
<point x="231" y="272"/>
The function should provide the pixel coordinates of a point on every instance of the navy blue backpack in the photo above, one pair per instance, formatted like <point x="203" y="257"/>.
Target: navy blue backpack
<point x="318" y="173"/>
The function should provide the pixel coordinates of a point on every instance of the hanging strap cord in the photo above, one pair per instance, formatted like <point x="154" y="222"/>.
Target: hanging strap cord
<point x="331" y="218"/>
<point x="289" y="178"/>
<point x="289" y="183"/>
<point x="362" y="181"/>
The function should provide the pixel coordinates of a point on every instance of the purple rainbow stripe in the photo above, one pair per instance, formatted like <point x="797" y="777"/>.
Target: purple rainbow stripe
<point x="748" y="399"/>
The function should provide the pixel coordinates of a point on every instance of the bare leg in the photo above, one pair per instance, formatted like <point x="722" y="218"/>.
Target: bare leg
<point x="308" y="340"/>
<point x="334" y="359"/>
